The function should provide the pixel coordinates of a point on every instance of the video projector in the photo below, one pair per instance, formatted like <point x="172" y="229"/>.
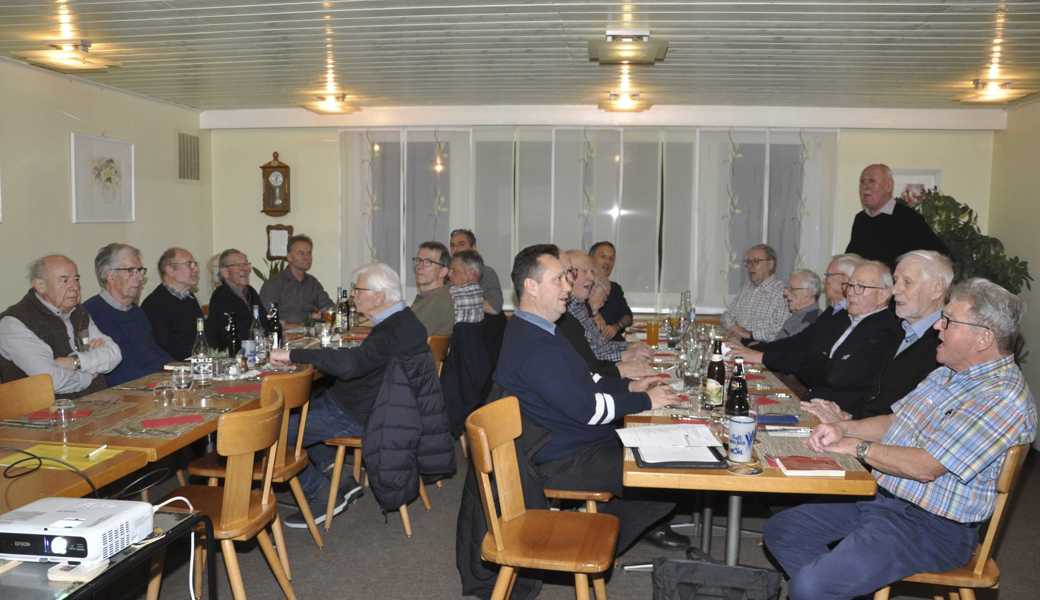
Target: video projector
<point x="73" y="529"/>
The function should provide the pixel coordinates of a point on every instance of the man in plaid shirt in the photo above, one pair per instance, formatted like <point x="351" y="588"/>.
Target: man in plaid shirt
<point x="936" y="460"/>
<point x="759" y="310"/>
<point x="466" y="293"/>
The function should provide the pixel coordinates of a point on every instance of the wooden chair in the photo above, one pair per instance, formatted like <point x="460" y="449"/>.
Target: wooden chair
<point x="341" y="444"/>
<point x="238" y="511"/>
<point x="26" y="395"/>
<point x="589" y="497"/>
<point x="981" y="571"/>
<point x="290" y="458"/>
<point x="580" y="543"/>
<point x="439" y="349"/>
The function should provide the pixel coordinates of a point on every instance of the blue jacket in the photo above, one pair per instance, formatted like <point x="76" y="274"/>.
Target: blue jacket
<point x="132" y="330"/>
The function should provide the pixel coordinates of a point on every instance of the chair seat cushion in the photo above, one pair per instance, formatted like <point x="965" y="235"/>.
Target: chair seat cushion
<point x="557" y="541"/>
<point x="212" y="465"/>
<point x="209" y="500"/>
<point x="962" y="576"/>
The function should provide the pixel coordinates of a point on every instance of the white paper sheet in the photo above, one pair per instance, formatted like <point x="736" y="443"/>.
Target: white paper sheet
<point x="675" y="436"/>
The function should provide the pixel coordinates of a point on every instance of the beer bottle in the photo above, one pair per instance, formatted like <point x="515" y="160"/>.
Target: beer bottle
<point x="274" y="324"/>
<point x="715" y="382"/>
<point x="201" y="361"/>
<point x="737" y="396"/>
<point x="231" y="339"/>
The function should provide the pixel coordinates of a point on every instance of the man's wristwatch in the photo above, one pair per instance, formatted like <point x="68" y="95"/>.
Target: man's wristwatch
<point x="75" y="362"/>
<point x="861" y="450"/>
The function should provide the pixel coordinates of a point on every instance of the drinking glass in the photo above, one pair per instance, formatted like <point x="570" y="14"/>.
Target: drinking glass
<point x="181" y="378"/>
<point x="82" y="340"/>
<point x="61" y="413"/>
<point x="653" y="330"/>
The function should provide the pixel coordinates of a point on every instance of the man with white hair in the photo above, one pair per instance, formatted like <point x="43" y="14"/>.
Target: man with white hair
<point x="343" y="409"/>
<point x="802" y="295"/>
<point x="117" y="314"/>
<point x="886" y="229"/>
<point x="936" y="459"/>
<point x="49" y="332"/>
<point x="758" y="311"/>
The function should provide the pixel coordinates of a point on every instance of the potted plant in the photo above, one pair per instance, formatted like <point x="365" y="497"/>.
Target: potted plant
<point x="274" y="267"/>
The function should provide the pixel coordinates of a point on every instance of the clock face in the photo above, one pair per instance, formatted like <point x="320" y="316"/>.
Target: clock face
<point x="275" y="178"/>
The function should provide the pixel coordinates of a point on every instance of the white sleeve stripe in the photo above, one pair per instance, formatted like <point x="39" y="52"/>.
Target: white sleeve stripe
<point x="596" y="377"/>
<point x="610" y="409"/>
<point x="600" y="407"/>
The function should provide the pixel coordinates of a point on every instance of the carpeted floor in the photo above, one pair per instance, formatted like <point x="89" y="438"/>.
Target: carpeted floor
<point x="366" y="556"/>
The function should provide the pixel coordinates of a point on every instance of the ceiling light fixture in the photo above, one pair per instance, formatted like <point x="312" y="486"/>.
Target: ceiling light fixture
<point x="627" y="47"/>
<point x="68" y="57"/>
<point x="331" y="105"/>
<point x="993" y="92"/>
<point x="622" y="101"/>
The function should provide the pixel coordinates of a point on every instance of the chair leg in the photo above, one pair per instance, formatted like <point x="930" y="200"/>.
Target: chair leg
<point x="423" y="495"/>
<point x="182" y="477"/>
<point x="337" y="472"/>
<point x="406" y="520"/>
<point x="590" y="506"/>
<point x="238" y="590"/>
<point x="213" y="481"/>
<point x="276" y="566"/>
<point x="512" y="583"/>
<point x="967" y="594"/>
<point x="581" y="586"/>
<point x="357" y="467"/>
<point x="600" y="587"/>
<point x="155" y="570"/>
<point x="305" y="509"/>
<point x="465" y="446"/>
<point x="883" y="593"/>
<point x="200" y="564"/>
<point x="145" y="497"/>
<point x="279" y="540"/>
<point x="502" y="583"/>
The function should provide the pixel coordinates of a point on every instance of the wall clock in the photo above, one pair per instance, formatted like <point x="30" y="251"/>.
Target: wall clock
<point x="274" y="176"/>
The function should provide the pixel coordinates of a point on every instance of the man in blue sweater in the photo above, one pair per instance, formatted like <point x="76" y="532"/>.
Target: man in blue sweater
<point x="577" y="407"/>
<point x="117" y="315"/>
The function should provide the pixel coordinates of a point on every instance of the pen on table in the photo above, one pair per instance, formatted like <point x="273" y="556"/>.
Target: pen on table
<point x="96" y="451"/>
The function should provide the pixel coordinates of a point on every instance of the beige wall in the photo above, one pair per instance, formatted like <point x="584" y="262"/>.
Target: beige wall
<point x="40" y="110"/>
<point x="1014" y="217"/>
<point x="964" y="157"/>
<point x="313" y="159"/>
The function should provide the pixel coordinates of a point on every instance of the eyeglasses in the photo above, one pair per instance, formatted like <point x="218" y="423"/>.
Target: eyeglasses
<point x="859" y="288"/>
<point x="946" y="320"/>
<point x="752" y="262"/>
<point x="425" y="262"/>
<point x="835" y="274"/>
<point x="246" y="264"/>
<point x="190" y="264"/>
<point x="792" y="289"/>
<point x="354" y="290"/>
<point x="133" y="270"/>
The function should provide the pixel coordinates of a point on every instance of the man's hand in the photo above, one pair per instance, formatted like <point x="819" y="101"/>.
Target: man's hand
<point x="662" y="395"/>
<point x="825" y="410"/>
<point x="279" y="357"/>
<point x="601" y="324"/>
<point x="637" y="350"/>
<point x="824" y="436"/>
<point x="750" y="356"/>
<point x="846" y="445"/>
<point x="488" y="310"/>
<point x="739" y="332"/>
<point x="645" y="383"/>
<point x="634" y="369"/>
<point x="610" y="331"/>
<point x="66" y="362"/>
<point x="95" y="343"/>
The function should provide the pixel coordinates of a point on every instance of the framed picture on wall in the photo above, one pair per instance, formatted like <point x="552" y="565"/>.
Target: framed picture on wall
<point x="278" y="241"/>
<point x="102" y="180"/>
<point x="913" y="182"/>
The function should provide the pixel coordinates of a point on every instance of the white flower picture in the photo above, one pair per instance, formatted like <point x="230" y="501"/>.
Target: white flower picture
<point x="102" y="180"/>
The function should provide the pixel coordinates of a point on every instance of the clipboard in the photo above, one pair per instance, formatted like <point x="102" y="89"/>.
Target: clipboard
<point x="719" y="461"/>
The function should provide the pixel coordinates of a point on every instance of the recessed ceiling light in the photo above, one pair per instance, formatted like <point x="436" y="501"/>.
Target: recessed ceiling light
<point x="993" y="92"/>
<point x="627" y="47"/>
<point x="331" y="105"/>
<point x="622" y="101"/>
<point x="68" y="57"/>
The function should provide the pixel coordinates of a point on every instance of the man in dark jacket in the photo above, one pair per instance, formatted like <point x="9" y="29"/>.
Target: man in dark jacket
<point x="343" y="409"/>
<point x="922" y="279"/>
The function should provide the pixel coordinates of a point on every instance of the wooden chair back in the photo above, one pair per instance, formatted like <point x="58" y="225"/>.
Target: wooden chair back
<point x="296" y="393"/>
<point x="1005" y="484"/>
<point x="26" y="395"/>
<point x="240" y="435"/>
<point x="439" y="349"/>
<point x="491" y="431"/>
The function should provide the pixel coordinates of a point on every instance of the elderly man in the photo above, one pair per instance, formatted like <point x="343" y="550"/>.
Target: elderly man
<point x="432" y="304"/>
<point x="49" y="332"/>
<point x="172" y="307"/>
<point x="758" y="312"/>
<point x="921" y="280"/>
<point x="466" y="294"/>
<point x="936" y="461"/>
<point x="297" y="293"/>
<point x="344" y="408"/>
<point x="235" y="297"/>
<point x="615" y="316"/>
<point x="578" y="408"/>
<point x="121" y="276"/>
<point x="885" y="229"/>
<point x="844" y="368"/>
<point x="462" y="240"/>
<point x="802" y="295"/>
<point x="579" y="268"/>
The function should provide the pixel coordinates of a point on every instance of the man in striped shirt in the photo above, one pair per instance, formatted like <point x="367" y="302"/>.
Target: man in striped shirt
<point x="936" y="460"/>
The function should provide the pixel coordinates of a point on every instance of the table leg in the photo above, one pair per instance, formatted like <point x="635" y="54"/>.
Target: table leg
<point x="733" y="530"/>
<point x="706" y="525"/>
<point x="211" y="564"/>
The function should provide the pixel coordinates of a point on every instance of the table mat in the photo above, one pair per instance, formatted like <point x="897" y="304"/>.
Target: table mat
<point x="791" y="446"/>
<point x="85" y="412"/>
<point x="245" y="388"/>
<point x="134" y="426"/>
<point x="81" y="457"/>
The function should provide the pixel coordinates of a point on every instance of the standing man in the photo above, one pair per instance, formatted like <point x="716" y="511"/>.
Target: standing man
<point x="121" y="276"/>
<point x="297" y="292"/>
<point x="936" y="460"/>
<point x="234" y="296"/>
<point x="49" y="332"/>
<point x="463" y="239"/>
<point x="172" y="307"/>
<point x="615" y="315"/>
<point x="432" y="303"/>
<point x="758" y="312"/>
<point x="886" y="229"/>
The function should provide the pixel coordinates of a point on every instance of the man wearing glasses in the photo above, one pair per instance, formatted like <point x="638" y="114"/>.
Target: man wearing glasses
<point x="115" y="310"/>
<point x="432" y="303"/>
<point x="936" y="459"/>
<point x="234" y="296"/>
<point x="802" y="295"/>
<point x="172" y="307"/>
<point x="49" y="332"/>
<point x="759" y="310"/>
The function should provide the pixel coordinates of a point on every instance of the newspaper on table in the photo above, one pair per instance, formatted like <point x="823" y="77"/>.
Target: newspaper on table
<point x="671" y="443"/>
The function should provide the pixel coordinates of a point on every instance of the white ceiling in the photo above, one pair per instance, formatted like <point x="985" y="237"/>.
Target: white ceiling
<point x="224" y="54"/>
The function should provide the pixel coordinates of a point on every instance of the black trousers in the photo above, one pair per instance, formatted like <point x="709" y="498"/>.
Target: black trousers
<point x="597" y="467"/>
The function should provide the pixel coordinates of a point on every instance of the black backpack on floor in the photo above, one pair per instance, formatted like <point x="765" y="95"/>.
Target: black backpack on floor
<point x="707" y="579"/>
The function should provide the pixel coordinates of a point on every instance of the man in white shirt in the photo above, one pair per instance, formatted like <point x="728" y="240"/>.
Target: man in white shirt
<point x="49" y="332"/>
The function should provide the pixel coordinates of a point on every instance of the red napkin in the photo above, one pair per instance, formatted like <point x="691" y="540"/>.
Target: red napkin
<point x="166" y="421"/>
<point x="751" y="377"/>
<point x="762" y="400"/>
<point x="772" y="462"/>
<point x="45" y="415"/>
<point x="247" y="388"/>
